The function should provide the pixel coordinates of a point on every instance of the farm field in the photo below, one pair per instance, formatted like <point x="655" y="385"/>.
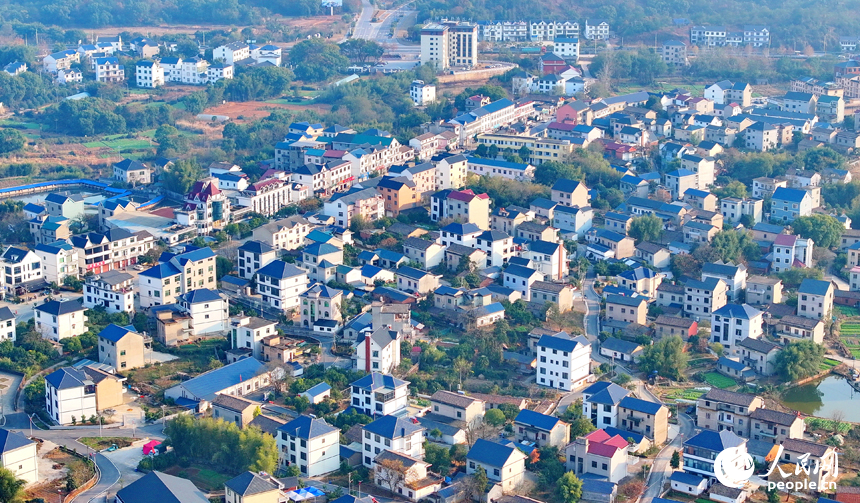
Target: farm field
<point x="719" y="380"/>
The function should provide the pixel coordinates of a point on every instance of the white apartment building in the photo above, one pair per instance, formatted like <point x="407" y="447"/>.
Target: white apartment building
<point x="69" y="392"/>
<point x="254" y="255"/>
<point x="567" y="48"/>
<point x="176" y="274"/>
<point x="449" y="44"/>
<point x="735" y="276"/>
<point x="323" y="178"/>
<point x="791" y="251"/>
<point x="281" y="284"/>
<point x="113" y="290"/>
<point x="377" y="350"/>
<point x="208" y="309"/>
<point x="734" y="208"/>
<point x="58" y="319"/>
<point x="249" y="332"/>
<point x="311" y="443"/>
<point x="113" y="249"/>
<point x="422" y="94"/>
<point x="285" y="234"/>
<point x="379" y="394"/>
<point x="393" y="434"/>
<point x="7" y="325"/>
<point x="733" y="323"/>
<point x="232" y="52"/>
<point x="563" y="362"/>
<point x="596" y="31"/>
<point x="149" y="74"/>
<point x="267" y="197"/>
<point x="18" y="455"/>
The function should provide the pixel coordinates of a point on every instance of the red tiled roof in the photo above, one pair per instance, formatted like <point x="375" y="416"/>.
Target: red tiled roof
<point x="265" y="183"/>
<point x="785" y="240"/>
<point x="163" y="212"/>
<point x="597" y="436"/>
<point x="560" y="126"/>
<point x="605" y="450"/>
<point x="203" y="190"/>
<point x="271" y="172"/>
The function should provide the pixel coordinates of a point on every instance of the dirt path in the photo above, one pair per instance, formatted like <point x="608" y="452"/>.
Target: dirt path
<point x="250" y="110"/>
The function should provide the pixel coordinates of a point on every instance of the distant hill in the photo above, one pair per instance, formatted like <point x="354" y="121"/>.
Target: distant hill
<point x="792" y="22"/>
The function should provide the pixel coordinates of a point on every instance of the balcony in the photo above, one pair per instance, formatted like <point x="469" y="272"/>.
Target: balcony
<point x="728" y="408"/>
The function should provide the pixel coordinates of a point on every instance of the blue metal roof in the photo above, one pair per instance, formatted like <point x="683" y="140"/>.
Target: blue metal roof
<point x="208" y="384"/>
<point x="814" y="286"/>
<point x="318" y="389"/>
<point x="560" y="343"/>
<point x="376" y="380"/>
<point x="115" y="332"/>
<point x="787" y="194"/>
<point x="715" y="441"/>
<point x="536" y="419"/>
<point x="639" y="405"/>
<point x="306" y="427"/>
<point x="490" y="453"/>
<point x="686" y="478"/>
<point x="392" y="427"/>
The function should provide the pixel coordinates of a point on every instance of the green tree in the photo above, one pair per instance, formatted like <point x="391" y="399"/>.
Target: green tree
<point x="799" y="359"/>
<point x="316" y="60"/>
<point x="223" y="267"/>
<point x="733" y="189"/>
<point x="734" y="245"/>
<point x="824" y="230"/>
<point x="569" y="488"/>
<point x="11" y="487"/>
<point x="438" y="457"/>
<point x="182" y="175"/>
<point x="494" y="417"/>
<point x="646" y="228"/>
<point x="479" y="483"/>
<point x="11" y="140"/>
<point x="361" y="50"/>
<point x="675" y="462"/>
<point x="821" y="158"/>
<point x="509" y="410"/>
<point x="666" y="357"/>
<point x="718" y="349"/>
<point x="580" y="427"/>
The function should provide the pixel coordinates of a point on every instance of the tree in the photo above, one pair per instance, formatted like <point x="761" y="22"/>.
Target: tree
<point x="733" y="189"/>
<point x="675" y="462"/>
<point x="820" y="158"/>
<point x="718" y="349"/>
<point x="361" y="50"/>
<point x="580" y="427"/>
<point x="732" y="246"/>
<point x="223" y="267"/>
<point x="390" y="472"/>
<point x="316" y="60"/>
<point x="666" y="357"/>
<point x="824" y="230"/>
<point x="182" y="176"/>
<point x="477" y="485"/>
<point x="799" y="359"/>
<point x="11" y="140"/>
<point x="462" y="367"/>
<point x="494" y="417"/>
<point x="646" y="228"/>
<point x="569" y="488"/>
<point x="509" y="410"/>
<point x="11" y="487"/>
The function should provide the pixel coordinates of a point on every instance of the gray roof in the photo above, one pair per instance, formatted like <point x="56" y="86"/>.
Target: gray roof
<point x="491" y="453"/>
<point x="207" y="385"/>
<point x="163" y="488"/>
<point x="453" y="399"/>
<point x="382" y="336"/>
<point x="57" y="308"/>
<point x="280" y="269"/>
<point x="758" y="345"/>
<point x="774" y="416"/>
<point x="624" y="300"/>
<point x="249" y="483"/>
<point x="307" y="427"/>
<point x="721" y="395"/>
<point x="234" y="403"/>
<point x="418" y="243"/>
<point x="612" y="394"/>
<point x="622" y="346"/>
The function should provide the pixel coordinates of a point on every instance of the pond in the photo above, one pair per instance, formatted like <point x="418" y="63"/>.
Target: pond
<point x="823" y="397"/>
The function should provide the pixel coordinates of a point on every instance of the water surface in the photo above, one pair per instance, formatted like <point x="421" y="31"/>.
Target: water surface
<point x="823" y="397"/>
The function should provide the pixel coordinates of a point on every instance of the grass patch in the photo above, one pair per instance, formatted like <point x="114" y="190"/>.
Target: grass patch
<point x="18" y="124"/>
<point x="685" y="394"/>
<point x="828" y="364"/>
<point x="99" y="443"/>
<point x="204" y="478"/>
<point x="818" y="423"/>
<point x="123" y="144"/>
<point x="719" y="380"/>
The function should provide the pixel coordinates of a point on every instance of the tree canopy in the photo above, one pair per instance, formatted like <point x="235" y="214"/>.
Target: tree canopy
<point x="182" y="175"/>
<point x="316" y="60"/>
<point x="646" y="228"/>
<point x="824" y="230"/>
<point x="11" y="487"/>
<point x="799" y="359"/>
<point x="666" y="357"/>
<point x="569" y="488"/>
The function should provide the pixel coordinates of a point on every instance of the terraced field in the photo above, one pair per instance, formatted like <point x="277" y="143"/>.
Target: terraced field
<point x="719" y="380"/>
<point x="849" y="334"/>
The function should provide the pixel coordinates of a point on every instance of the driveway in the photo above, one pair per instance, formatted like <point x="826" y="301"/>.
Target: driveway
<point x="126" y="460"/>
<point x="661" y="470"/>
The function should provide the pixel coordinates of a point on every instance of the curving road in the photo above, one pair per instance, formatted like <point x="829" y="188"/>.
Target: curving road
<point x="379" y="31"/>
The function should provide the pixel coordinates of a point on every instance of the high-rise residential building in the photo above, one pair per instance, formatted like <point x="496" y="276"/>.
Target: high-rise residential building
<point x="449" y="44"/>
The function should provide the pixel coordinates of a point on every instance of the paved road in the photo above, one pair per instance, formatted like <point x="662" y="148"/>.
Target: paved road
<point x="660" y="469"/>
<point x="24" y="311"/>
<point x="379" y="31"/>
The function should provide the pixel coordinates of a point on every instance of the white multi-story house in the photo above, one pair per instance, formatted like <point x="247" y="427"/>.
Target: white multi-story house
<point x="249" y="332"/>
<point x="327" y="178"/>
<point x="175" y="275"/>
<point x="232" y="52"/>
<point x="108" y="70"/>
<point x="20" y="268"/>
<point x="393" y="434"/>
<point x="59" y="260"/>
<point x="269" y="53"/>
<point x="791" y="251"/>
<point x="310" y="443"/>
<point x="600" y="403"/>
<point x="69" y="392"/>
<point x="281" y="284"/>
<point x="206" y="207"/>
<point x="421" y="93"/>
<point x="113" y="290"/>
<point x="702" y="449"/>
<point x="18" y="455"/>
<point x="704" y="297"/>
<point x="815" y="298"/>
<point x="733" y="323"/>
<point x="115" y="248"/>
<point x="498" y="246"/>
<point x="377" y="350"/>
<point x="563" y="362"/>
<point x="208" y="309"/>
<point x="567" y="48"/>
<point x="549" y="259"/>
<point x="58" y="61"/>
<point x="734" y="208"/>
<point x="521" y="278"/>
<point x="597" y="31"/>
<point x="132" y="172"/>
<point x="379" y="394"/>
<point x="366" y="203"/>
<point x="58" y="319"/>
<point x="735" y="276"/>
<point x="149" y="74"/>
<point x="320" y="308"/>
<point x="7" y="325"/>
<point x="269" y="196"/>
<point x="286" y="234"/>
<point x="253" y="255"/>
<point x="503" y="464"/>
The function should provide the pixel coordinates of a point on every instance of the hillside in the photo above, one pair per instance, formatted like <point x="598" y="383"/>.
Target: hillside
<point x="792" y="22"/>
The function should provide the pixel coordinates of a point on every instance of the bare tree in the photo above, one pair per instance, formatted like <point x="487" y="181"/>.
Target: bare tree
<point x="477" y="428"/>
<point x="390" y="472"/>
<point x="838" y="418"/>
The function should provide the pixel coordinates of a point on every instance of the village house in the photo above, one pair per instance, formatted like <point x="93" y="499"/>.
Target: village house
<point x="394" y="434"/>
<point x="377" y="350"/>
<point x="122" y="348"/>
<point x="719" y="410"/>
<point x="411" y="480"/>
<point x="541" y="429"/>
<point x="621" y="350"/>
<point x="72" y="394"/>
<point x="759" y="355"/>
<point x="112" y="290"/>
<point x="310" y="443"/>
<point x="701" y="449"/>
<point x="456" y="406"/>
<point x="626" y="309"/>
<point x="503" y="464"/>
<point x="600" y="403"/>
<point x="653" y="254"/>
<point x="815" y="298"/>
<point x="58" y="319"/>
<point x="598" y="454"/>
<point x="798" y="328"/>
<point x="644" y="418"/>
<point x="563" y="362"/>
<point x="233" y="409"/>
<point x="704" y="297"/>
<point x="668" y="326"/>
<point x="763" y="290"/>
<point x="378" y="394"/>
